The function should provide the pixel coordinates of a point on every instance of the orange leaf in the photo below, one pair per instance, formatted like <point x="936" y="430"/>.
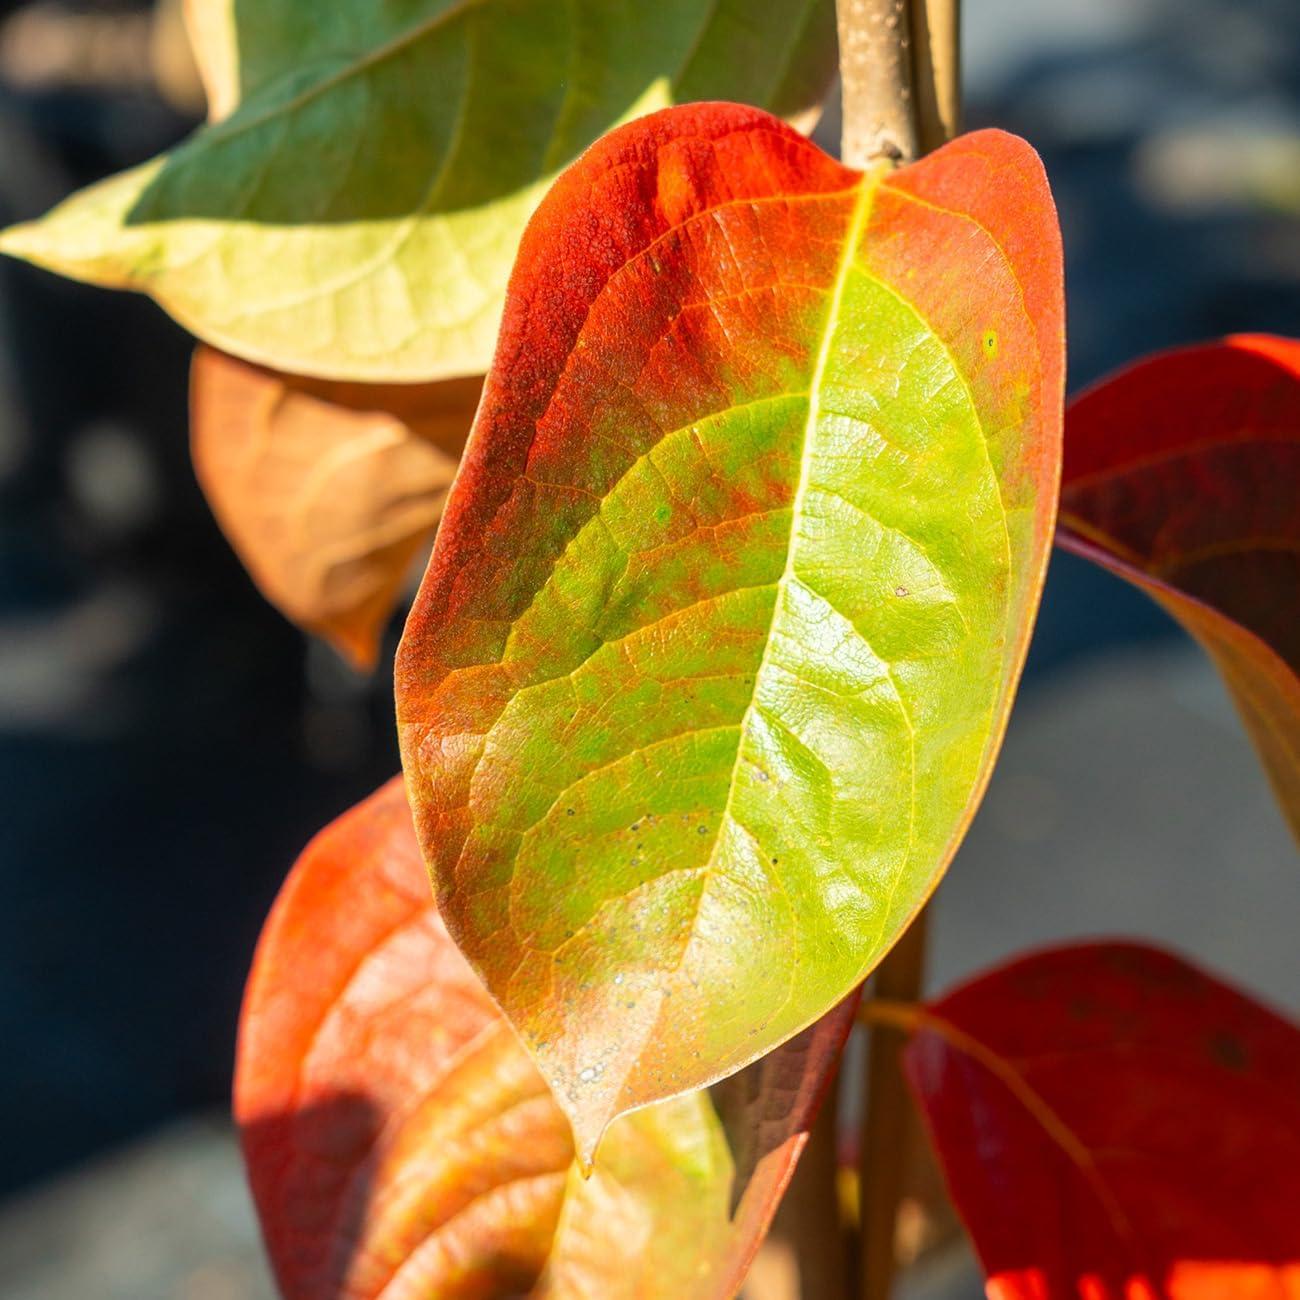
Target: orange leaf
<point x="327" y="491"/>
<point x="400" y="1141"/>
<point x="1182" y="474"/>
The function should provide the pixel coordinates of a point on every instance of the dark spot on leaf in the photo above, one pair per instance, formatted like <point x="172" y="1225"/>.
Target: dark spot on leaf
<point x="1228" y="1050"/>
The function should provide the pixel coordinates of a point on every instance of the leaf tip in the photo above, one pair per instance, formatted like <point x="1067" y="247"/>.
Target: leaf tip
<point x="357" y="645"/>
<point x="22" y="241"/>
<point x="38" y="244"/>
<point x="588" y="1133"/>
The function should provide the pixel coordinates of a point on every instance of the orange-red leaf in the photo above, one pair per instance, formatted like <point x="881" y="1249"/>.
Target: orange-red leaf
<point x="327" y="491"/>
<point x="1116" y="1125"/>
<point x="400" y="1142"/>
<point x="1182" y="474"/>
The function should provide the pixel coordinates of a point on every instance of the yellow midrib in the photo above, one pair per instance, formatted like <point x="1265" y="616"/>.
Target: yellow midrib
<point x="867" y="188"/>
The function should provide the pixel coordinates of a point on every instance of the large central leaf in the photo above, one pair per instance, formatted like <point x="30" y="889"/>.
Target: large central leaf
<point x="734" y="587"/>
<point x="356" y="213"/>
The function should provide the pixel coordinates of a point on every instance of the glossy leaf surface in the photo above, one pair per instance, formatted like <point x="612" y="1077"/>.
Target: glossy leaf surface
<point x="401" y="1143"/>
<point x="328" y="491"/>
<point x="720" y="632"/>
<point x="1182" y="475"/>
<point x="355" y="211"/>
<point x="1116" y="1125"/>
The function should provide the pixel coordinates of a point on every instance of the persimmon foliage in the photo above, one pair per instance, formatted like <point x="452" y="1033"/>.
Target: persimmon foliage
<point x="725" y="615"/>
<point x="1182" y="475"/>
<point x="400" y="1141"/>
<point x="328" y="491"/>
<point x="1116" y="1124"/>
<point x="714" y="653"/>
<point x="353" y="210"/>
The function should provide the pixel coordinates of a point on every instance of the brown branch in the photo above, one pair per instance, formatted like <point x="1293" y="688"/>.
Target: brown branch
<point x="805" y="1256"/>
<point x="900" y="89"/>
<point x="823" y="1258"/>
<point x="879" y="120"/>
<point x="884" y="1127"/>
<point x="900" y="73"/>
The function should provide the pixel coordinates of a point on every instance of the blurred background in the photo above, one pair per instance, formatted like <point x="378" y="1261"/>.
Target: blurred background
<point x="168" y="742"/>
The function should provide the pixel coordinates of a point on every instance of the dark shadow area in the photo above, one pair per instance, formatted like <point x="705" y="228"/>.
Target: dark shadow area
<point x="307" y="1171"/>
<point x="167" y="742"/>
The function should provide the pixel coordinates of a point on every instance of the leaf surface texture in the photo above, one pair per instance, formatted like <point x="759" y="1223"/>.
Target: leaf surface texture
<point x="721" y="629"/>
<point x="1114" y="1123"/>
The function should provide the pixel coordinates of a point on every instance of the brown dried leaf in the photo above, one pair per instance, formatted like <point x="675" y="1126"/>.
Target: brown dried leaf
<point x="327" y="491"/>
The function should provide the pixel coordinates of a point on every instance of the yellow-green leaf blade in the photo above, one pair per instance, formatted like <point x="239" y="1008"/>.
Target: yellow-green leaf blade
<point x="720" y="632"/>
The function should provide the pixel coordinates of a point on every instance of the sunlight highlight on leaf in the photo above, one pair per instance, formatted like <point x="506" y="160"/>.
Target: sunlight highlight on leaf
<point x="1116" y="1125"/>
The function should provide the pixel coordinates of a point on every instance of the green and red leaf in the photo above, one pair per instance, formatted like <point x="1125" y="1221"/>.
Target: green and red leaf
<point x="401" y="1143"/>
<point x="1182" y="475"/>
<point x="724" y="620"/>
<point x="1116" y="1125"/>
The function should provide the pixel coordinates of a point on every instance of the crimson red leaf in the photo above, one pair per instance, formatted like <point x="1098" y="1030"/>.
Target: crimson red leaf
<point x="718" y="640"/>
<point x="401" y="1143"/>
<point x="1182" y="474"/>
<point x="1116" y="1125"/>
